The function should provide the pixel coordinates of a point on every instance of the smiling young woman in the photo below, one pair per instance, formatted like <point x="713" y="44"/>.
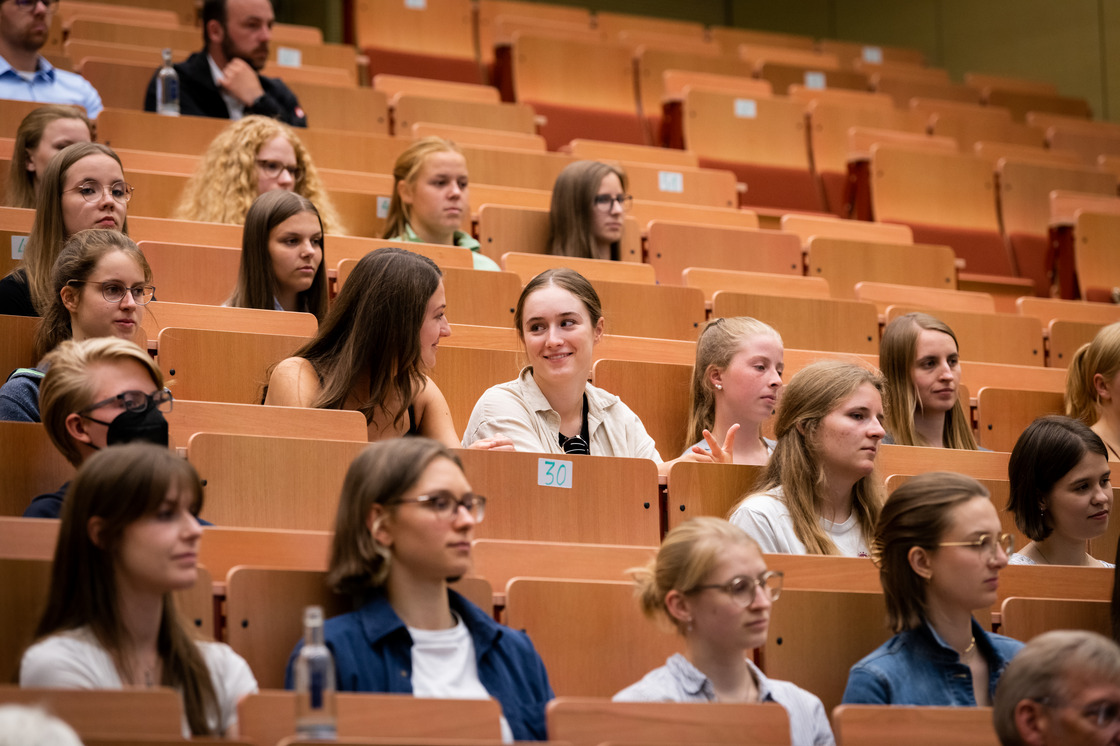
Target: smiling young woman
<point x="710" y="581"/>
<point x="817" y="495"/>
<point x="939" y="548"/>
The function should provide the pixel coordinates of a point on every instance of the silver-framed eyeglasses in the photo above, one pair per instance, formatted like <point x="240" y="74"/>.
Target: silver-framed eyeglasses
<point x="29" y="5"/>
<point x="114" y="291"/>
<point x="92" y="191"/>
<point x="986" y="543"/>
<point x="272" y="169"/>
<point x="604" y="202"/>
<point x="136" y="401"/>
<point x="742" y="588"/>
<point x="446" y="505"/>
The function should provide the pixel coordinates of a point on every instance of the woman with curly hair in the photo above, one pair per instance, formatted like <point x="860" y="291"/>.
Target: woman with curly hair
<point x="252" y="156"/>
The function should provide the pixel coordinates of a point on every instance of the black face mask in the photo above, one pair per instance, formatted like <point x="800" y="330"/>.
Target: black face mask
<point x="148" y="426"/>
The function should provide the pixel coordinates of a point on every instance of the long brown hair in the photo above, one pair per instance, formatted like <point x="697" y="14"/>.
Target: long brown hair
<point x="571" y="216"/>
<point x="121" y="485"/>
<point x="48" y="232"/>
<point x="76" y="262"/>
<point x="374" y="328"/>
<point x="21" y="182"/>
<point x="795" y="464"/>
<point x="256" y="282"/>
<point x="898" y="352"/>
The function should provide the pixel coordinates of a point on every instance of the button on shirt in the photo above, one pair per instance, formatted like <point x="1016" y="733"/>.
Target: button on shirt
<point x="680" y="681"/>
<point x="48" y="85"/>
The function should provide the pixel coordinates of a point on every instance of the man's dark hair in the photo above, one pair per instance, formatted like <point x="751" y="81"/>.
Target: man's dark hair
<point x="212" y="10"/>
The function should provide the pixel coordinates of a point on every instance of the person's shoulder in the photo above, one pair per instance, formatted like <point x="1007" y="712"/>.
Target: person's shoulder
<point x="653" y="687"/>
<point x="48" y="505"/>
<point x="1019" y="559"/>
<point x="768" y="503"/>
<point x="1006" y="646"/>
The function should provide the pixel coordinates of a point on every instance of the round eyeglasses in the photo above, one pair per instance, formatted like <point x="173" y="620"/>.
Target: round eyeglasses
<point x="742" y="588"/>
<point x="272" y="169"/>
<point x="91" y="191"/>
<point x="446" y="505"/>
<point x="605" y="202"/>
<point x="988" y="543"/>
<point x="114" y="291"/>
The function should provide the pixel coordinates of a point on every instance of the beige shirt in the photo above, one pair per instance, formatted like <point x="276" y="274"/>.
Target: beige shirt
<point x="519" y="410"/>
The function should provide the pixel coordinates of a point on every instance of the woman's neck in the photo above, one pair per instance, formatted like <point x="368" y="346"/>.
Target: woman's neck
<point x="421" y="604"/>
<point x="930" y="427"/>
<point x="566" y="397"/>
<point x="601" y="250"/>
<point x="837" y="499"/>
<point x="1058" y="550"/>
<point x="954" y="626"/>
<point x="288" y="299"/>
<point x="1108" y="428"/>
<point x="749" y="448"/>
<point x="428" y="236"/>
<point x="727" y="670"/>
<point x="141" y="615"/>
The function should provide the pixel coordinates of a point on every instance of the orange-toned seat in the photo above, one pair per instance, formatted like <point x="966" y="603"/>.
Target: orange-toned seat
<point x="600" y="106"/>
<point x="849" y="52"/>
<point x="881" y="725"/>
<point x="658" y="393"/>
<point x="434" y="39"/>
<point x="995" y="338"/>
<point x="1003" y="414"/>
<point x="762" y="140"/>
<point x="969" y="123"/>
<point x="711" y="281"/>
<point x="809" y="323"/>
<point x="674" y="247"/>
<point x="844" y="263"/>
<point x="650" y="67"/>
<point x="1098" y="262"/>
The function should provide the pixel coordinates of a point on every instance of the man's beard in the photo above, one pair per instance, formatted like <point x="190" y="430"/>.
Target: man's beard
<point x="229" y="52"/>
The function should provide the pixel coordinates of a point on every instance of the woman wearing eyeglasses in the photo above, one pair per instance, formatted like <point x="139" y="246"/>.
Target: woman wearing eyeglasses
<point x="710" y="581"/>
<point x="405" y="522"/>
<point x="589" y="201"/>
<point x="101" y="283"/>
<point x="431" y="198"/>
<point x="939" y="548"/>
<point x="83" y="187"/>
<point x="98" y="393"/>
<point x="1061" y="492"/>
<point x="254" y="155"/>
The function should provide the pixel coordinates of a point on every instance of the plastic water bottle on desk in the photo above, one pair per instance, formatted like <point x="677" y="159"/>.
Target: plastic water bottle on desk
<point x="167" y="88"/>
<point x="315" y="712"/>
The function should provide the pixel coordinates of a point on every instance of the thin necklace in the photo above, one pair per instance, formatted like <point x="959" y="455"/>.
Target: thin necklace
<point x="971" y="646"/>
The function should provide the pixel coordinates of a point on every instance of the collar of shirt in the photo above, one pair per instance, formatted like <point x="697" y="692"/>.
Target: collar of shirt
<point x="236" y="108"/>
<point x="695" y="683"/>
<point x="45" y="69"/>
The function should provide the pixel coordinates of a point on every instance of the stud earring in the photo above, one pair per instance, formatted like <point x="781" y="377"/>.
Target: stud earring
<point x="719" y="387"/>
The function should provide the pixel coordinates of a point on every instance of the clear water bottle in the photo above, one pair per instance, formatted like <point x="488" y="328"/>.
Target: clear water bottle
<point x="167" y="88"/>
<point x="315" y="711"/>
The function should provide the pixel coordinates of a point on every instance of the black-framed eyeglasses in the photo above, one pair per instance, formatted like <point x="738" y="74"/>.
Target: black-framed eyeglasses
<point x="987" y="543"/>
<point x="604" y="202"/>
<point x="114" y="291"/>
<point x="742" y="588"/>
<point x="446" y="505"/>
<point x="135" y="401"/>
<point x="1101" y="714"/>
<point x="91" y="191"/>
<point x="272" y="169"/>
<point x="30" y="4"/>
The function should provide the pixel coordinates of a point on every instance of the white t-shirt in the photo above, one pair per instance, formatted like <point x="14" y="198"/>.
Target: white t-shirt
<point x="766" y="518"/>
<point x="75" y="660"/>
<point x="444" y="667"/>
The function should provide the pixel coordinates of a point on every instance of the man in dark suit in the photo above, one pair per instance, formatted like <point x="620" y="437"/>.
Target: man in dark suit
<point x="224" y="80"/>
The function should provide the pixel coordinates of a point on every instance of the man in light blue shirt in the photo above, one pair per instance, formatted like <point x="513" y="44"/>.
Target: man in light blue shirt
<point x="24" y="74"/>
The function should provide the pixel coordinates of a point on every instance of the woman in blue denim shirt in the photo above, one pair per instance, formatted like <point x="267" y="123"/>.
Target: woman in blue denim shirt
<point x="939" y="549"/>
<point x="405" y="522"/>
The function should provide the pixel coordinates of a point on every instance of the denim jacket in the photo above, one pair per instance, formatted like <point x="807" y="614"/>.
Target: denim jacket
<point x="916" y="667"/>
<point x="373" y="653"/>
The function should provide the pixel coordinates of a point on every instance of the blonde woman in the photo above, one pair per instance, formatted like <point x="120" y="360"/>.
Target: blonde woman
<point x="431" y="197"/>
<point x="252" y="156"/>
<point x="818" y="495"/>
<point x="920" y="359"/>
<point x="1093" y="387"/>
<point x="41" y="134"/>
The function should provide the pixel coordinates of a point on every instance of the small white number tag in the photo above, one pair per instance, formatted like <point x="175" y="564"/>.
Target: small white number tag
<point x="553" y="473"/>
<point x="17" y="247"/>
<point x="815" y="81"/>
<point x="670" y="181"/>
<point x="289" y="57"/>
<point x="874" y="55"/>
<point x="416" y="4"/>
<point x="383" y="207"/>
<point x="746" y="108"/>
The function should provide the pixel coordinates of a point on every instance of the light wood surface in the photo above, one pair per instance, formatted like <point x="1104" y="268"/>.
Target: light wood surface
<point x="881" y="725"/>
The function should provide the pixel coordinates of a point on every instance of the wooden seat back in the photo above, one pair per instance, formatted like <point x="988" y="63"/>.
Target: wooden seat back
<point x="658" y="393"/>
<point x="186" y="273"/>
<point x="894" y="459"/>
<point x="767" y="131"/>
<point x="711" y="281"/>
<point x="884" y="295"/>
<point x="610" y="500"/>
<point x="1098" y="264"/>
<point x="641" y="310"/>
<point x="880" y="725"/>
<point x="601" y="150"/>
<point x="807" y="226"/>
<point x="162" y="315"/>
<point x="34" y="466"/>
<point x="809" y="323"/>
<point x="528" y="266"/>
<point x="674" y="247"/>
<point x="707" y="489"/>
<point x="1066" y="338"/>
<point x="189" y="417"/>
<point x="996" y="338"/>
<point x="266" y="482"/>
<point x="501" y="560"/>
<point x="509" y="117"/>
<point x="587" y="722"/>
<point x="337" y="107"/>
<point x="1050" y="309"/>
<point x="1004" y="414"/>
<point x="844" y="263"/>
<point x="691" y="186"/>
<point x="1026" y="618"/>
<point x="542" y="73"/>
<point x="187" y="358"/>
<point x="646" y="211"/>
<point x="107" y="713"/>
<point x="504" y="229"/>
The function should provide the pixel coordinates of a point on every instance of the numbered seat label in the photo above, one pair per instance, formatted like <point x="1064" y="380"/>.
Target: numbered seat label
<point x="553" y="473"/>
